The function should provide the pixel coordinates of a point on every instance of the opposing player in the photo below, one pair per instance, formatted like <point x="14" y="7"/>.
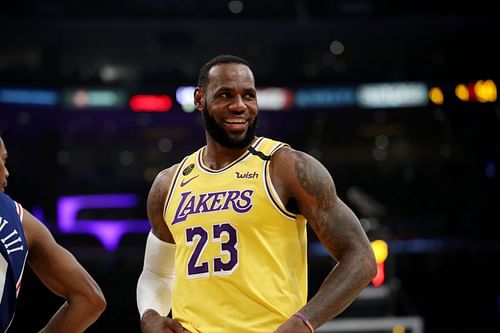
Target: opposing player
<point x="23" y="238"/>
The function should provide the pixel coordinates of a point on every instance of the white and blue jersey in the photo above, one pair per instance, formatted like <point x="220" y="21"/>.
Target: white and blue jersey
<point x="13" y="249"/>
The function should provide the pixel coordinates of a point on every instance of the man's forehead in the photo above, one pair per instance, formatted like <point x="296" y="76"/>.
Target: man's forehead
<point x="230" y="76"/>
<point x="230" y="70"/>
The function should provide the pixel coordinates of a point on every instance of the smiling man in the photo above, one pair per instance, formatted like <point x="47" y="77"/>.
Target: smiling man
<point x="227" y="251"/>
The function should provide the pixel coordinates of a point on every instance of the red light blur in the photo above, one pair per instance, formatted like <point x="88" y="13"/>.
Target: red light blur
<point x="378" y="280"/>
<point x="150" y="103"/>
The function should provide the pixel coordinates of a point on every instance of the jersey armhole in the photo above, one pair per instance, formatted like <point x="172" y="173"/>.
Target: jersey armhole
<point x="19" y="210"/>
<point x="172" y="185"/>
<point x="271" y="191"/>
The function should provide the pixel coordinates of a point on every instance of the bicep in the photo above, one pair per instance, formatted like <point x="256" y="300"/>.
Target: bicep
<point x="312" y="187"/>
<point x="55" y="266"/>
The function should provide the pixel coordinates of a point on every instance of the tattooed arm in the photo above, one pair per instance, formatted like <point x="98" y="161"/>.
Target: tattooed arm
<point x="299" y="177"/>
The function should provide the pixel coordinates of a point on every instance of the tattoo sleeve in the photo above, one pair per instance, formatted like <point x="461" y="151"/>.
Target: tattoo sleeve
<point x="321" y="206"/>
<point x="316" y="181"/>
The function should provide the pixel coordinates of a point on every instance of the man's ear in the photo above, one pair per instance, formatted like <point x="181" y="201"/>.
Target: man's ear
<point x="199" y="100"/>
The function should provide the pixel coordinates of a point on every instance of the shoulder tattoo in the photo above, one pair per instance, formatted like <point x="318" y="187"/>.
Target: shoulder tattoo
<point x="312" y="177"/>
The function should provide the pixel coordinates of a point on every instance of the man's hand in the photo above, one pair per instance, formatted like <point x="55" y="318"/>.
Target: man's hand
<point x="152" y="322"/>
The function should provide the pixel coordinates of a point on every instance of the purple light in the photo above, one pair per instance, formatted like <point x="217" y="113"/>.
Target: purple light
<point x="490" y="169"/>
<point x="37" y="212"/>
<point x="109" y="232"/>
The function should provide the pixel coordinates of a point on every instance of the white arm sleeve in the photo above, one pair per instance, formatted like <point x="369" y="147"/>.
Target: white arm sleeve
<point x="155" y="284"/>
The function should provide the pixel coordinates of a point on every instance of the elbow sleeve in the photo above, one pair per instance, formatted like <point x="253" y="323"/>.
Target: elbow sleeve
<point x="155" y="284"/>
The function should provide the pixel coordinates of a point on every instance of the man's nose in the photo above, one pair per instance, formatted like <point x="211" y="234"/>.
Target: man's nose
<point x="238" y="104"/>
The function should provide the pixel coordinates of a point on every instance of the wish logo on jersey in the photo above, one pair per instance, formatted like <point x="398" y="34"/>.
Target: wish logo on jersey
<point x="248" y="175"/>
<point x="239" y="201"/>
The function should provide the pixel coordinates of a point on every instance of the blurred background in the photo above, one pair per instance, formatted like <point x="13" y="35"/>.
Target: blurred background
<point x="398" y="99"/>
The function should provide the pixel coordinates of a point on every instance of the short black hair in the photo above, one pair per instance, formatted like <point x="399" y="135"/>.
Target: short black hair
<point x="220" y="59"/>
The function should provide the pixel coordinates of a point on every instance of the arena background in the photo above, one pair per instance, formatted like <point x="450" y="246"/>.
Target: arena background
<point x="396" y="98"/>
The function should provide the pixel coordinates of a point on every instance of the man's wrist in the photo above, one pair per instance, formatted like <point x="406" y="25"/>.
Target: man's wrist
<point x="305" y="320"/>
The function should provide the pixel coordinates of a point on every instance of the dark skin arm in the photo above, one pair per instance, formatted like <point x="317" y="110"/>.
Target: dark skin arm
<point x="299" y="176"/>
<point x="59" y="270"/>
<point x="152" y="321"/>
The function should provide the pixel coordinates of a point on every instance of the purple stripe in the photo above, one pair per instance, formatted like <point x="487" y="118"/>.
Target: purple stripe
<point x="269" y="190"/>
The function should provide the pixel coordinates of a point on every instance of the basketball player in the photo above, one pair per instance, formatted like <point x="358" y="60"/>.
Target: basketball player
<point x="24" y="238"/>
<point x="227" y="251"/>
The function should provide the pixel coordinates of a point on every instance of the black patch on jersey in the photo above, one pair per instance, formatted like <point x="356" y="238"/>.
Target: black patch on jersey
<point x="259" y="153"/>
<point x="292" y="206"/>
<point x="187" y="170"/>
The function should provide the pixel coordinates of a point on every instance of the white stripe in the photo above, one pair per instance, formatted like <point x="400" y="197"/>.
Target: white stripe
<point x="18" y="283"/>
<point x="3" y="274"/>
<point x="20" y="210"/>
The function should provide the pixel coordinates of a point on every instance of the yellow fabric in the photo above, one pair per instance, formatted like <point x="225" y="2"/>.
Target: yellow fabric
<point x="250" y="275"/>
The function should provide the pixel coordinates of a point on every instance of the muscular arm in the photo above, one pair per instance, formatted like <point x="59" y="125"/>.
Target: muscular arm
<point x="155" y="204"/>
<point x="300" y="177"/>
<point x="156" y="280"/>
<point x="59" y="270"/>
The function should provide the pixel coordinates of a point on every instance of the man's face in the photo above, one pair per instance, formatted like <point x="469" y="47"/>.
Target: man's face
<point x="4" y="173"/>
<point x="229" y="105"/>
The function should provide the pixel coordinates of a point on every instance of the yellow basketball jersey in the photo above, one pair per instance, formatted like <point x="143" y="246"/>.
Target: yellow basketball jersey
<point x="241" y="256"/>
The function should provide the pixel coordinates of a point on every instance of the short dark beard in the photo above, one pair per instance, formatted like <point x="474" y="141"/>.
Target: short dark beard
<point x="221" y="137"/>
